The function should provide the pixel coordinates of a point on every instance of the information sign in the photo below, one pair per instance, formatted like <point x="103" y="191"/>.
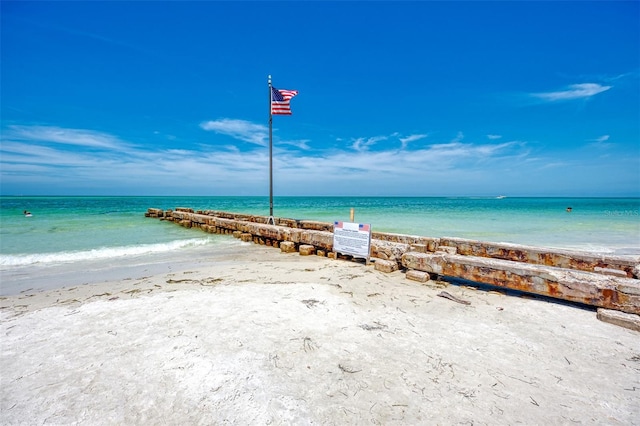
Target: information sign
<point x="352" y="238"/>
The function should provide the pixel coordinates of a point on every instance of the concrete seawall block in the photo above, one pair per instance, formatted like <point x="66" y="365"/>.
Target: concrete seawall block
<point x="589" y="288"/>
<point x="608" y="271"/>
<point x="630" y="321"/>
<point x="288" y="247"/>
<point x="447" y="249"/>
<point x="419" y="276"/>
<point x="583" y="261"/>
<point x="604" y="281"/>
<point x="386" y="265"/>
<point x="306" y="250"/>
<point x="388" y="250"/>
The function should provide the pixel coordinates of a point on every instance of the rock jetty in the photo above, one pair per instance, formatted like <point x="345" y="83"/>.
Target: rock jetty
<point x="607" y="282"/>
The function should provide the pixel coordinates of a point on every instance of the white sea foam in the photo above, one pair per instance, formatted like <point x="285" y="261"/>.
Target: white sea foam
<point x="8" y="261"/>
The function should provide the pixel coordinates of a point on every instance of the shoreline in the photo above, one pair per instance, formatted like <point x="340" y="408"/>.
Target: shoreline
<point x="36" y="278"/>
<point x="273" y="337"/>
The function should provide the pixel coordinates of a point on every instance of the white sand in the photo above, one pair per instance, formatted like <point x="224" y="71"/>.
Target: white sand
<point x="285" y="339"/>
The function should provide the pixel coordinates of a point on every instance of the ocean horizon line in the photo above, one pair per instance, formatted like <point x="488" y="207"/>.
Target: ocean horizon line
<point x="498" y="196"/>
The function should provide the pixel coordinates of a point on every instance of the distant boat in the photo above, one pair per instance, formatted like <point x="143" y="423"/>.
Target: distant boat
<point x="500" y="197"/>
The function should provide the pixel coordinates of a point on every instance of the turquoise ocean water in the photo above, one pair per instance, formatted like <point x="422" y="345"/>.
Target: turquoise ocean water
<point x="75" y="237"/>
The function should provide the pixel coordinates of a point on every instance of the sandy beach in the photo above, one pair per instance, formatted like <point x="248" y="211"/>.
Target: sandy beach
<point x="273" y="338"/>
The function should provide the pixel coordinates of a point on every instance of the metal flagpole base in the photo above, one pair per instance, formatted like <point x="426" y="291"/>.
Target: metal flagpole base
<point x="271" y="221"/>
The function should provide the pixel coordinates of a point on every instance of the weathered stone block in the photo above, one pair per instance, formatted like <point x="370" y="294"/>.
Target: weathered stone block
<point x="420" y="276"/>
<point x="317" y="238"/>
<point x="447" y="249"/>
<point x="388" y="250"/>
<point x="155" y="212"/>
<point x="630" y="321"/>
<point x="321" y="253"/>
<point x="288" y="247"/>
<point x="433" y="244"/>
<point x="420" y="248"/>
<point x="609" y="271"/>
<point x="246" y="237"/>
<point x="590" y="288"/>
<point x="236" y="234"/>
<point x="306" y="250"/>
<point x="316" y="226"/>
<point x="569" y="259"/>
<point x="386" y="265"/>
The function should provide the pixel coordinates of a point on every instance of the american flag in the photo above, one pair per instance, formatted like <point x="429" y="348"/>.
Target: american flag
<point x="280" y="101"/>
<point x="362" y="227"/>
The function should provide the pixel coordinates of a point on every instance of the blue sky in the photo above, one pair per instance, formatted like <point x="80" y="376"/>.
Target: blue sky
<point x="395" y="98"/>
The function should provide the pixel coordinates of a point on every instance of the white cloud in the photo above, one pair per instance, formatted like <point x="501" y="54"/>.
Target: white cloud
<point x="301" y="144"/>
<point x="77" y="137"/>
<point x="555" y="165"/>
<point x="239" y="129"/>
<point x="363" y="144"/>
<point x="574" y="91"/>
<point x="122" y="165"/>
<point x="601" y="142"/>
<point x="27" y="166"/>
<point x="411" y="138"/>
<point x="494" y="137"/>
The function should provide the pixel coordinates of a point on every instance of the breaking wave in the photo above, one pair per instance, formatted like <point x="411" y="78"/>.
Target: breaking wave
<point x="103" y="253"/>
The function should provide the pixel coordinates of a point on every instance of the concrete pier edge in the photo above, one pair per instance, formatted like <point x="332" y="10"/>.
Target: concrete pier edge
<point x="608" y="282"/>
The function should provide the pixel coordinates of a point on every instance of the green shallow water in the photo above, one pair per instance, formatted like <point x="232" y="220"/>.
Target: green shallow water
<point x="72" y="224"/>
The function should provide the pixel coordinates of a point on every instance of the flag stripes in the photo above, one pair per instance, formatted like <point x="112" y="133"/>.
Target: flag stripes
<point x="280" y="101"/>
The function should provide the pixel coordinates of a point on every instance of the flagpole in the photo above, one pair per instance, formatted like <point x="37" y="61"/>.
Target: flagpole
<point x="271" y="221"/>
